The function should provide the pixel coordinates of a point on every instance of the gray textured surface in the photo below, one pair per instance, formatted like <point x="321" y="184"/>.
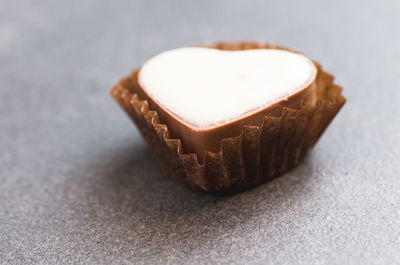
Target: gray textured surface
<point x="78" y="185"/>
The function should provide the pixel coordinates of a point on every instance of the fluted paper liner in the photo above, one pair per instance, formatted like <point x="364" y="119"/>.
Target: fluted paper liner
<point x="258" y="154"/>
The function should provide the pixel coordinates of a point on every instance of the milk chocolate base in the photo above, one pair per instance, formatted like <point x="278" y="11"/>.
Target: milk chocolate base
<point x="200" y="140"/>
<point x="250" y="152"/>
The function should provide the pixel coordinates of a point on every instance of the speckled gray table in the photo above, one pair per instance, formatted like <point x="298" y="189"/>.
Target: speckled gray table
<point x="78" y="185"/>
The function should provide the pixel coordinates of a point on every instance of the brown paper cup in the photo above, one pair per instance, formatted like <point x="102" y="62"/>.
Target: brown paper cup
<point x="258" y="154"/>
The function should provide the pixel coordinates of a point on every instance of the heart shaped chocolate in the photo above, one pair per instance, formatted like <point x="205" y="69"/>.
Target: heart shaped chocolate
<point x="232" y="115"/>
<point x="205" y="88"/>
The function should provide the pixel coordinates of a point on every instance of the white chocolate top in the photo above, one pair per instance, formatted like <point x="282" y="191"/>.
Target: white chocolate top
<point x="206" y="87"/>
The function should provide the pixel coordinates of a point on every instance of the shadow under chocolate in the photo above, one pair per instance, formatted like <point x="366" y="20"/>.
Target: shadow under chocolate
<point x="155" y="212"/>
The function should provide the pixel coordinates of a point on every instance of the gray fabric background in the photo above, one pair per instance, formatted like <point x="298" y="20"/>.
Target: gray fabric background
<point x="78" y="185"/>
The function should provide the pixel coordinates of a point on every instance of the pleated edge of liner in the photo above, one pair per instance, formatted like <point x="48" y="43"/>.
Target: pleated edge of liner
<point x="120" y="93"/>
